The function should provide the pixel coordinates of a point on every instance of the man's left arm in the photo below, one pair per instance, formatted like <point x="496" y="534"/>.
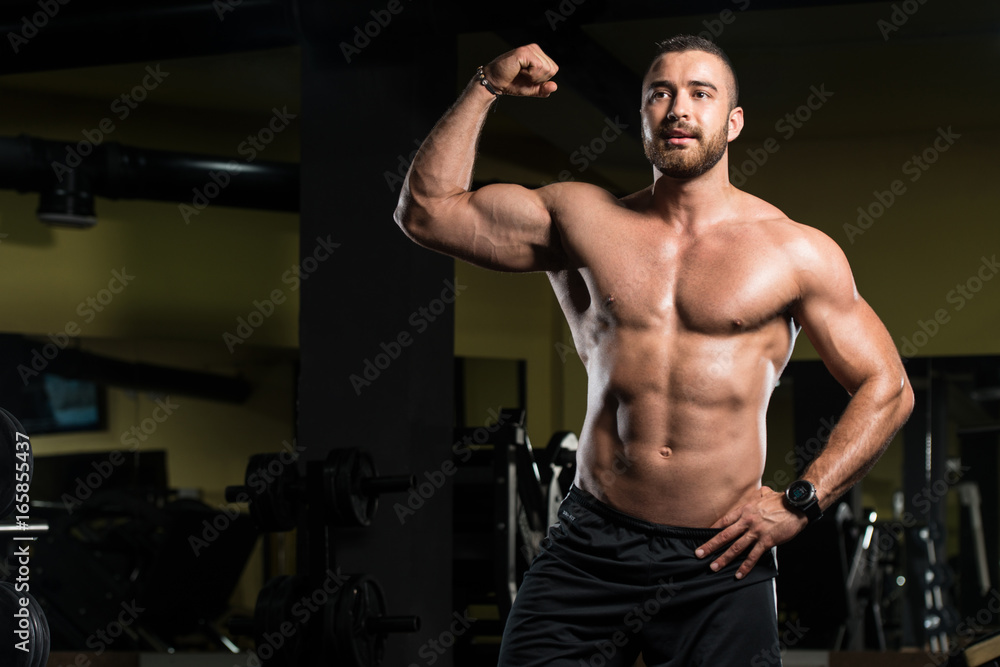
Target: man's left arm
<point x="860" y="354"/>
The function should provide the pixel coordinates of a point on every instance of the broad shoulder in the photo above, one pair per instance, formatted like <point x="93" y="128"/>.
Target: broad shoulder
<point x="816" y="262"/>
<point x="573" y="200"/>
<point x="803" y="245"/>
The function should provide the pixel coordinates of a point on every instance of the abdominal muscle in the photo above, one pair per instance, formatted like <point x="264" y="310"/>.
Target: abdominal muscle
<point x="675" y="434"/>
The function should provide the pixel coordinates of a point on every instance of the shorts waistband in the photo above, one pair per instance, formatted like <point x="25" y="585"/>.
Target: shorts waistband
<point x="605" y="511"/>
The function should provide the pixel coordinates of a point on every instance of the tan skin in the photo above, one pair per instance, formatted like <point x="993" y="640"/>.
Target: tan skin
<point x="684" y="300"/>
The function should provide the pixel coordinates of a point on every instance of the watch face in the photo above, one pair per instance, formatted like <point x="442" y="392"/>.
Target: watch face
<point x="799" y="492"/>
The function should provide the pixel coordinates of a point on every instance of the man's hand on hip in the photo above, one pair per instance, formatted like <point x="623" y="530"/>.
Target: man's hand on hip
<point x="754" y="528"/>
<point x="523" y="72"/>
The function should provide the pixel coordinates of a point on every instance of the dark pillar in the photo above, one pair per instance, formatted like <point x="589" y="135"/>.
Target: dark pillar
<point x="361" y="314"/>
<point x="925" y="486"/>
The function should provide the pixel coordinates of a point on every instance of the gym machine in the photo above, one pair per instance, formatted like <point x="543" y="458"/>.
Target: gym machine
<point x="321" y="617"/>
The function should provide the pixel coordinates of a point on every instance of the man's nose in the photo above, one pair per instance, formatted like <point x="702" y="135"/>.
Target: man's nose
<point x="678" y="108"/>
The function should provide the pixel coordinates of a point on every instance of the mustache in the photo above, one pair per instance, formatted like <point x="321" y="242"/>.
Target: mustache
<point x="689" y="130"/>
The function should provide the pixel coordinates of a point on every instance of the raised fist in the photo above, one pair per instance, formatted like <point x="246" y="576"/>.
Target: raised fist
<point x="523" y="72"/>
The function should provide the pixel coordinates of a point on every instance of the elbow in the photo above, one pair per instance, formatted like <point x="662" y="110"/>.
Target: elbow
<point x="411" y="218"/>
<point x="905" y="400"/>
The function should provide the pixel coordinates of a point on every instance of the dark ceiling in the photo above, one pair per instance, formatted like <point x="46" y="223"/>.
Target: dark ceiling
<point x="892" y="67"/>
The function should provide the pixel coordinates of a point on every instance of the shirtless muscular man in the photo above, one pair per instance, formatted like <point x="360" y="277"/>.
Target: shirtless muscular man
<point x="667" y="514"/>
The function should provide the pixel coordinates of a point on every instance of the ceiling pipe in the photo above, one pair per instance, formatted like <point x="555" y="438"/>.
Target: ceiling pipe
<point x="68" y="176"/>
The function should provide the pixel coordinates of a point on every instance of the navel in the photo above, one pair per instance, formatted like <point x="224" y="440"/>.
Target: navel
<point x="666" y="452"/>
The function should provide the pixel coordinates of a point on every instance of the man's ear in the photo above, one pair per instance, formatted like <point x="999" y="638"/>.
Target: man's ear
<point x="735" y="123"/>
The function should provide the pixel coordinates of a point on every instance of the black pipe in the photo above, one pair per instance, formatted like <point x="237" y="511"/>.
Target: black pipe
<point x="69" y="175"/>
<point x="79" y="365"/>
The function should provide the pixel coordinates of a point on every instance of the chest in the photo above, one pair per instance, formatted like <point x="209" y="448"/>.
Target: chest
<point x="715" y="284"/>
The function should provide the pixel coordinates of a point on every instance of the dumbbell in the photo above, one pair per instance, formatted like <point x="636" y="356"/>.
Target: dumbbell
<point x="350" y="489"/>
<point x="16" y="461"/>
<point x="355" y="624"/>
<point x="274" y="490"/>
<point x="28" y="644"/>
<point x="279" y="640"/>
<point x="351" y="620"/>
<point x="353" y="485"/>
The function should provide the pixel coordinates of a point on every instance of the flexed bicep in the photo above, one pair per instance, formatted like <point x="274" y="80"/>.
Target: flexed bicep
<point x="501" y="227"/>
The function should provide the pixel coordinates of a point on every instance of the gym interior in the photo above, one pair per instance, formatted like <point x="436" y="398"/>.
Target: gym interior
<point x="266" y="428"/>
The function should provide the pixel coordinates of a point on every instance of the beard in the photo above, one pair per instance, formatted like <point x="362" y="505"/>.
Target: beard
<point x="685" y="161"/>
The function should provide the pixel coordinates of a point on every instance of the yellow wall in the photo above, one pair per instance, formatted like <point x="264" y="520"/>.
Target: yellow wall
<point x="192" y="281"/>
<point x="190" y="284"/>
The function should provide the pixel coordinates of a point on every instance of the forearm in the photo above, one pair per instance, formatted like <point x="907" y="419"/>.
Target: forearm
<point x="444" y="163"/>
<point x="876" y="411"/>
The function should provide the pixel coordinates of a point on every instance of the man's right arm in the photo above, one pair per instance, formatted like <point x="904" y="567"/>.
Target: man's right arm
<point x="503" y="227"/>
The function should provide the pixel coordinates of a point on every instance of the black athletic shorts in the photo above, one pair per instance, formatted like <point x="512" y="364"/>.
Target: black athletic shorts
<point x="607" y="586"/>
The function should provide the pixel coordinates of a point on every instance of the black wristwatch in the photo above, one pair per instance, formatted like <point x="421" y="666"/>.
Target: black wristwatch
<point x="801" y="495"/>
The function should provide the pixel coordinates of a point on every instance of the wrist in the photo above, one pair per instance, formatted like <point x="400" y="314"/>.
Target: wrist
<point x="478" y="92"/>
<point x="485" y="82"/>
<point x="801" y="497"/>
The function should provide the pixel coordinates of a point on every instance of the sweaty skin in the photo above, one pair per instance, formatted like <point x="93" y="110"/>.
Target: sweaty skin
<point x="683" y="299"/>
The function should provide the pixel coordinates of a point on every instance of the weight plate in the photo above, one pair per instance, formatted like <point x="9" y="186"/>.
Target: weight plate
<point x="363" y="506"/>
<point x="10" y="462"/>
<point x="354" y="643"/>
<point x="295" y="643"/>
<point x="347" y="469"/>
<point x="35" y="625"/>
<point x="267" y="611"/>
<point x="40" y="648"/>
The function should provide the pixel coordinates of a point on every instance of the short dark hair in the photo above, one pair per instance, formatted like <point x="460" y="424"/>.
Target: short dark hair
<point x="680" y="43"/>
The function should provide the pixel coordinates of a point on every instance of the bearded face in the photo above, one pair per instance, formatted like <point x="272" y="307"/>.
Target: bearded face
<point x="683" y="151"/>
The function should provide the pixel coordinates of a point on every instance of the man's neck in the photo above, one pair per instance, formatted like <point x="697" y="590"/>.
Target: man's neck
<point x="696" y="202"/>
